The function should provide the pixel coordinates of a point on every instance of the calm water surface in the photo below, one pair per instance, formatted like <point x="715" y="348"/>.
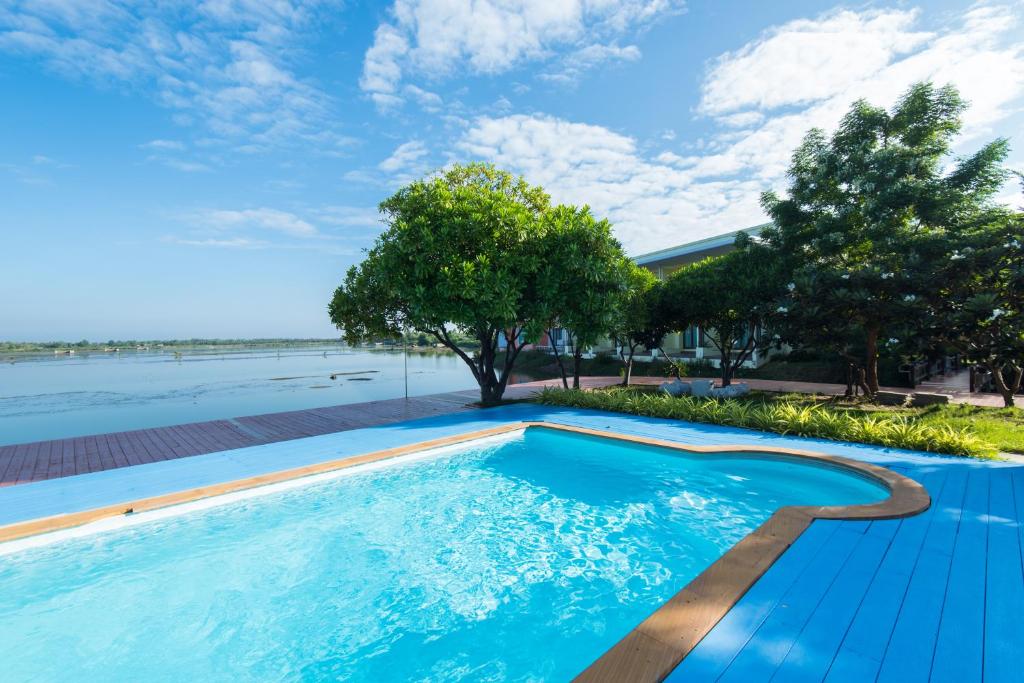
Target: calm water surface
<point x="49" y="398"/>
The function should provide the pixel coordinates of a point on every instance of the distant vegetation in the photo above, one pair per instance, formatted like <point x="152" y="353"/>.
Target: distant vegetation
<point x="126" y="344"/>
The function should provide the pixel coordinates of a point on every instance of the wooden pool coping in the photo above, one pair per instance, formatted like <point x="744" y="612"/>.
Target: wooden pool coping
<point x="659" y="643"/>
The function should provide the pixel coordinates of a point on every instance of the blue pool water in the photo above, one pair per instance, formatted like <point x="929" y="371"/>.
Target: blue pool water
<point x="522" y="559"/>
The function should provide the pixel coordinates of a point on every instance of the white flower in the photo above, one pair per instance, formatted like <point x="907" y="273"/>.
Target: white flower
<point x="845" y="276"/>
<point x="996" y="312"/>
<point x="894" y="341"/>
<point x="909" y="297"/>
<point x="782" y="309"/>
<point x="791" y="286"/>
<point x="957" y="256"/>
<point x="887" y="276"/>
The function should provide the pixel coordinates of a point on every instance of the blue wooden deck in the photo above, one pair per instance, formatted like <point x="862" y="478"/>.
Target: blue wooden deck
<point x="939" y="596"/>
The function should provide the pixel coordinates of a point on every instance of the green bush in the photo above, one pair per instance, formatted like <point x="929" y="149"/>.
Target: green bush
<point x="782" y="417"/>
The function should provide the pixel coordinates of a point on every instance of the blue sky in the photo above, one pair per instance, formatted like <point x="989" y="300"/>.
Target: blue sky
<point x="212" y="168"/>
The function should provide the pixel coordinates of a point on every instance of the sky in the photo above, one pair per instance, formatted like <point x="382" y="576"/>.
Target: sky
<point x="211" y="169"/>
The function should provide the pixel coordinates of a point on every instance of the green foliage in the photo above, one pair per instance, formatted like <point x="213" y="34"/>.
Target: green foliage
<point x="729" y="297"/>
<point x="636" y="320"/>
<point x="581" y="277"/>
<point x="463" y="251"/>
<point x="869" y="213"/>
<point x="1004" y="428"/>
<point x="782" y="417"/>
<point x="979" y="302"/>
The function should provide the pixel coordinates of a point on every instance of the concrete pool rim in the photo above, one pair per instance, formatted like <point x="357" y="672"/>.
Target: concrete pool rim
<point x="656" y="646"/>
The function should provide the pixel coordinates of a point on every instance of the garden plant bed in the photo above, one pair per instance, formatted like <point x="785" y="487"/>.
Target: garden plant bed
<point x="959" y="430"/>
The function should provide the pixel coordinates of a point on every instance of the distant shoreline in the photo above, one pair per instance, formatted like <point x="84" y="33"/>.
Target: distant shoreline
<point x="152" y="344"/>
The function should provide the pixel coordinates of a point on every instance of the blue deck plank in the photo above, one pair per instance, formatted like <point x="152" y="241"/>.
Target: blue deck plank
<point x="958" y="649"/>
<point x="765" y="652"/>
<point x="869" y="633"/>
<point x="912" y="644"/>
<point x="728" y="638"/>
<point x="811" y="655"/>
<point x="1004" y="636"/>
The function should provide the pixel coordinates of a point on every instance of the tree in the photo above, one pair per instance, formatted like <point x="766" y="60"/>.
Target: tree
<point x="636" y="319"/>
<point x="729" y="298"/>
<point x="579" y="281"/>
<point x="980" y="310"/>
<point x="867" y="211"/>
<point x="463" y="251"/>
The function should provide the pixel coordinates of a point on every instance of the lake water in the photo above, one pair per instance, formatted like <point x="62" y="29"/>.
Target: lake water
<point x="56" y="397"/>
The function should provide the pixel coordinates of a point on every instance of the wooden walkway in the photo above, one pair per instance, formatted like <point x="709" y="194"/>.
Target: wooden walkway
<point x="937" y="597"/>
<point x="40" y="460"/>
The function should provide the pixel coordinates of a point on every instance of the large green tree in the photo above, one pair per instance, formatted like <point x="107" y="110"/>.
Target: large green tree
<point x="867" y="212"/>
<point x="729" y="297"/>
<point x="636" y="319"/>
<point x="980" y="302"/>
<point x="463" y="252"/>
<point x="580" y="278"/>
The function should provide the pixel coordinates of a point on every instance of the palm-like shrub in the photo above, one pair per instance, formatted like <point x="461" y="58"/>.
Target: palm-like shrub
<point x="782" y="417"/>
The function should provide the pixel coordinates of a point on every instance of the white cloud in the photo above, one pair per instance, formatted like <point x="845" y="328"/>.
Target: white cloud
<point x="433" y="38"/>
<point x="228" y="65"/>
<point x="576" y="63"/>
<point x="165" y="145"/>
<point x="404" y="156"/>
<point x="808" y="60"/>
<point x="350" y="216"/>
<point x="262" y="218"/>
<point x="185" y="166"/>
<point x="652" y="202"/>
<point x="233" y="243"/>
<point x="430" y="101"/>
<point x="980" y="52"/>
<point x="659" y="198"/>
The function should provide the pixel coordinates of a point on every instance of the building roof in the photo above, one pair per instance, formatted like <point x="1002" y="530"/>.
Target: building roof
<point x="705" y="244"/>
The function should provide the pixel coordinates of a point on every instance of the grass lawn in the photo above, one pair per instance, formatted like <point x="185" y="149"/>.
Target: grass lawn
<point x="1002" y="427"/>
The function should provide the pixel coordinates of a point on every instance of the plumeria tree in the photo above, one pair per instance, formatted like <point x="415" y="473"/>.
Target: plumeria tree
<point x="730" y="298"/>
<point x="637" y="321"/>
<point x="580" y="280"/>
<point x="464" y="252"/>
<point x="868" y="211"/>
<point x="980" y="310"/>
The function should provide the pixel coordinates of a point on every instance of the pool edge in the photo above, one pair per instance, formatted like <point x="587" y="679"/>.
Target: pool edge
<point x="655" y="647"/>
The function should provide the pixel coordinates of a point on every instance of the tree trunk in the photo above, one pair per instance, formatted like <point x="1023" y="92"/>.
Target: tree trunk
<point x="558" y="359"/>
<point x="577" y="360"/>
<point x="1007" y="387"/>
<point x="871" y="362"/>
<point x="628" y="373"/>
<point x="849" y="381"/>
<point x="726" y="363"/>
<point x="490" y="393"/>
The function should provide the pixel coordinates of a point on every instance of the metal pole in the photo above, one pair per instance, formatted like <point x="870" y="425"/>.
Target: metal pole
<point x="405" y="353"/>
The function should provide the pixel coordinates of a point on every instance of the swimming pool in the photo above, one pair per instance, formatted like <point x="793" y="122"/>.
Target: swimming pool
<point x="521" y="557"/>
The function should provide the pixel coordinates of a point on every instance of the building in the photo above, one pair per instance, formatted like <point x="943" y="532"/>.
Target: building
<point x="691" y="344"/>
